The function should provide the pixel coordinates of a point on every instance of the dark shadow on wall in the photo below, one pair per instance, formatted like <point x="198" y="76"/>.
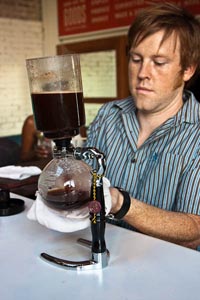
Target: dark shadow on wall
<point x="195" y="87"/>
<point x="9" y="151"/>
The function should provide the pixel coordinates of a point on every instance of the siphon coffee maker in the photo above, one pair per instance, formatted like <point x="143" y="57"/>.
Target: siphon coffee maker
<point x="68" y="182"/>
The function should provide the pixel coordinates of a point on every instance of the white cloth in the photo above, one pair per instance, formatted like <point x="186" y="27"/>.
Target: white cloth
<point x="18" y="172"/>
<point x="65" y="221"/>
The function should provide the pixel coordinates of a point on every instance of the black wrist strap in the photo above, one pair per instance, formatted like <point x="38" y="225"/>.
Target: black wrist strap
<point x="125" y="205"/>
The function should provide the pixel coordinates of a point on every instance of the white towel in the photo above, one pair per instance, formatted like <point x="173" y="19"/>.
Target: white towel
<point x="18" y="172"/>
<point x="65" y="221"/>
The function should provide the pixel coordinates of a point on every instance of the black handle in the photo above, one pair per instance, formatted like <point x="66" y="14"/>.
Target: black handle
<point x="98" y="224"/>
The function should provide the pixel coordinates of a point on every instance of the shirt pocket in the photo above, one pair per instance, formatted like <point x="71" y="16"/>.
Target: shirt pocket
<point x="160" y="179"/>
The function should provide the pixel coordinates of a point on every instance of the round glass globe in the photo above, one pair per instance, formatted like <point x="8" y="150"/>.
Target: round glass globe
<point x="65" y="183"/>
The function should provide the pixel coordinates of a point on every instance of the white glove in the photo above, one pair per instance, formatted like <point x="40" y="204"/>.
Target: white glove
<point x="65" y="221"/>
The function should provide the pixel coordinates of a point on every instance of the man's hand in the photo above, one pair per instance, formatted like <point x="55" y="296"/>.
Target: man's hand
<point x="42" y="151"/>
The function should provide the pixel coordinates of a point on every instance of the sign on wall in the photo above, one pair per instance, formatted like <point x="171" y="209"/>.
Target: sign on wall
<point x="81" y="16"/>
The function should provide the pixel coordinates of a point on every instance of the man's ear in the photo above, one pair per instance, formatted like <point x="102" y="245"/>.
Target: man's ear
<point x="189" y="72"/>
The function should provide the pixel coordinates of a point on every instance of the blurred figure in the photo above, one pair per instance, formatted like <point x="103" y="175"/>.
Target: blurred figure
<point x="34" y="145"/>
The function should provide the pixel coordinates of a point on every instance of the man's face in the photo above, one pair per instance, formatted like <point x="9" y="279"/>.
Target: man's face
<point x="156" y="80"/>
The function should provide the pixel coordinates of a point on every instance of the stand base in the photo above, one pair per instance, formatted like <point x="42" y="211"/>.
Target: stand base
<point x="98" y="260"/>
<point x="15" y="206"/>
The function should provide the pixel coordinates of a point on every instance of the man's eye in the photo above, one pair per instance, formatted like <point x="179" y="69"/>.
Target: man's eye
<point x="135" y="59"/>
<point x="159" y="63"/>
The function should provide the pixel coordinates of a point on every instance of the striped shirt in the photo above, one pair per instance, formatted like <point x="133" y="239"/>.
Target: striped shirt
<point x="165" y="170"/>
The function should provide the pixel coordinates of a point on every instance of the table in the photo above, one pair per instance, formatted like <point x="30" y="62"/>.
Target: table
<point x="140" y="267"/>
<point x="26" y="187"/>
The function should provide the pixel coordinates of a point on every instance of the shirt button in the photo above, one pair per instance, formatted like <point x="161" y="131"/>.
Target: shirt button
<point x="133" y="160"/>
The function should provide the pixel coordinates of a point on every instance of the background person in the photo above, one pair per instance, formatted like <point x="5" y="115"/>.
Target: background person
<point x="34" y="144"/>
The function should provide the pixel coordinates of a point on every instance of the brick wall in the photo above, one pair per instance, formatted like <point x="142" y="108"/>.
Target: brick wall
<point x="21" y="37"/>
<point x="21" y="9"/>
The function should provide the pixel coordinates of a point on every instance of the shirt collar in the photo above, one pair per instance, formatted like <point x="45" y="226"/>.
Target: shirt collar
<point x="189" y="113"/>
<point x="126" y="105"/>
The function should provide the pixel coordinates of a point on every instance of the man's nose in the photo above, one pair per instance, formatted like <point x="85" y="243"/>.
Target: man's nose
<point x="145" y="70"/>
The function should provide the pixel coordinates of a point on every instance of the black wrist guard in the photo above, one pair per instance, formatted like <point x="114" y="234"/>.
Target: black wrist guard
<point x="125" y="205"/>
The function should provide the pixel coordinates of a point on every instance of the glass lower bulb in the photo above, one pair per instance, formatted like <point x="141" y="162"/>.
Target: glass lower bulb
<point x="65" y="183"/>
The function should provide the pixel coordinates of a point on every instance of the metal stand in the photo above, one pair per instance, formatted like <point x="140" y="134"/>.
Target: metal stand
<point x="98" y="260"/>
<point x="100" y="255"/>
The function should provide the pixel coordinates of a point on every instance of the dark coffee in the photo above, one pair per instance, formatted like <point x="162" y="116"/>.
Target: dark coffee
<point x="58" y="115"/>
<point x="65" y="199"/>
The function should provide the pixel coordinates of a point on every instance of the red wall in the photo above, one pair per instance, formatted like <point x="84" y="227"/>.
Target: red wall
<point x="81" y="16"/>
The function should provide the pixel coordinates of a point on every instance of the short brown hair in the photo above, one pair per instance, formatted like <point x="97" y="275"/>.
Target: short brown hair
<point x="172" y="19"/>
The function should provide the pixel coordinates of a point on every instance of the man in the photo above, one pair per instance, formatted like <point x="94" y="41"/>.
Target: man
<point x="151" y="139"/>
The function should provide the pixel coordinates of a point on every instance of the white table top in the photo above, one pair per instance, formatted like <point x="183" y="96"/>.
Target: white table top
<point x="140" y="267"/>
